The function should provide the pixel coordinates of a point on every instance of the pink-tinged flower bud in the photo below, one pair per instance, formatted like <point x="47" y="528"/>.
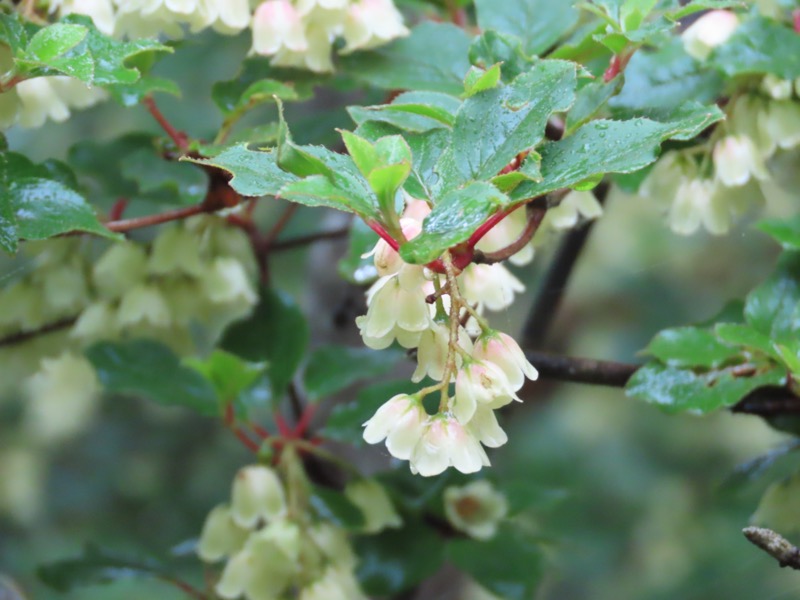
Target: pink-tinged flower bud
<point x="400" y="421"/>
<point x="371" y="23"/>
<point x="445" y="443"/>
<point x="277" y="25"/>
<point x="475" y="509"/>
<point x="373" y="501"/>
<point x="481" y="383"/>
<point x="709" y="31"/>
<point x="503" y="351"/>
<point x="221" y="535"/>
<point x="736" y="160"/>
<point x="257" y="495"/>
<point x="416" y="209"/>
<point x="432" y="351"/>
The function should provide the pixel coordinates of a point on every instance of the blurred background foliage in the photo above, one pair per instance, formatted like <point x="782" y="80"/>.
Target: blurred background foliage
<point x="635" y="504"/>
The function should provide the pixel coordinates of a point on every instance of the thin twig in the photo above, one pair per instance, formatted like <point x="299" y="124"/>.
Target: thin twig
<point x="186" y="588"/>
<point x="272" y="235"/>
<point x="555" y="281"/>
<point x="150" y="220"/>
<point x="774" y="544"/>
<point x="179" y="138"/>
<point x="24" y="336"/>
<point x="581" y="370"/>
<point x="305" y="240"/>
<point x="535" y="217"/>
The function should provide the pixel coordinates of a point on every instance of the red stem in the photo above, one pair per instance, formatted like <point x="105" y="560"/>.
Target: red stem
<point x="124" y="225"/>
<point x="796" y="19"/>
<point x="305" y="419"/>
<point x="490" y="224"/>
<point x="230" y="421"/>
<point x="378" y="228"/>
<point x="260" y="431"/>
<point x="115" y="214"/>
<point x="283" y="427"/>
<point x="180" y="138"/>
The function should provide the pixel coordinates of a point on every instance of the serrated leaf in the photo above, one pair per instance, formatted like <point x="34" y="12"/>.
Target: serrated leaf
<point x="480" y="80"/>
<point x="151" y="370"/>
<point x="336" y="508"/>
<point x="539" y="23"/>
<point x="386" y="567"/>
<point x="690" y="347"/>
<point x="605" y="146"/>
<point x="492" y="47"/>
<point x="745" y="336"/>
<point x="276" y="332"/>
<point x="772" y="307"/>
<point x="227" y="373"/>
<point x="253" y="172"/>
<point x="432" y="58"/>
<point x="100" y="566"/>
<point x="590" y="99"/>
<point x="760" y="46"/>
<point x="680" y="390"/>
<point x="185" y="184"/>
<point x="508" y="565"/>
<point x="334" y="368"/>
<point x="53" y="41"/>
<point x="494" y="126"/>
<point x="346" y="421"/>
<point x="411" y="111"/>
<point x="453" y="219"/>
<point x="785" y="231"/>
<point x="131" y="94"/>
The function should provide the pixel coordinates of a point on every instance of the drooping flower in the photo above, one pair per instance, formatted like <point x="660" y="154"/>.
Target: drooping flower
<point x="484" y="426"/>
<point x="221" y="536"/>
<point x="444" y="443"/>
<point x="481" y="383"/>
<point x="432" y="351"/>
<point x="709" y="31"/>
<point x="698" y="203"/>
<point x="490" y="286"/>
<point x="502" y="350"/>
<point x="736" y="159"/>
<point x="573" y="206"/>
<point x="400" y="422"/>
<point x="376" y="506"/>
<point x="371" y="23"/>
<point x="781" y="123"/>
<point x="257" y="495"/>
<point x="277" y="26"/>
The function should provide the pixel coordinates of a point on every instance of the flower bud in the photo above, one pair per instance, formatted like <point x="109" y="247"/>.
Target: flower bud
<point x="221" y="535"/>
<point x="120" y="268"/>
<point x="371" y="23"/>
<point x="574" y="205"/>
<point x="373" y="501"/>
<point x="736" y="159"/>
<point x="777" y="88"/>
<point x="501" y="349"/>
<point x="143" y="304"/>
<point x="475" y="509"/>
<point x="257" y="495"/>
<point x="399" y="421"/>
<point x="709" y="31"/>
<point x="481" y="383"/>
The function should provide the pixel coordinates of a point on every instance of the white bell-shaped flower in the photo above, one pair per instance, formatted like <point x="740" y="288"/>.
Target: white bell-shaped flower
<point x="333" y="543"/>
<point x="257" y="495"/>
<point x="502" y="350"/>
<point x="484" y="426"/>
<point x="444" y="443"/>
<point x="276" y="26"/>
<point x="227" y="281"/>
<point x="573" y="206"/>
<point x="336" y="583"/>
<point x="697" y="202"/>
<point x="221" y="536"/>
<point x="505" y="233"/>
<point x="782" y="124"/>
<point x="39" y="102"/>
<point x="777" y="88"/>
<point x="176" y="250"/>
<point x="97" y="321"/>
<point x="481" y="383"/>
<point x="709" y="31"/>
<point x="376" y="506"/>
<point x="317" y="55"/>
<point x="143" y="304"/>
<point x="490" y="286"/>
<point x="475" y="509"/>
<point x="392" y="304"/>
<point x="119" y="269"/>
<point x="371" y="23"/>
<point x="433" y="348"/>
<point x="736" y="159"/>
<point x="400" y="422"/>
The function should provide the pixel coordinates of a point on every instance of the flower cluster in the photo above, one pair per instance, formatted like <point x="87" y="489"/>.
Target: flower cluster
<point x="711" y="185"/>
<point x="487" y="367"/>
<point x="271" y="547"/>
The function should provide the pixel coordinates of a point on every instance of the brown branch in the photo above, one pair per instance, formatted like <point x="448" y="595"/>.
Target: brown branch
<point x="774" y="544"/>
<point x="185" y="587"/>
<point x="124" y="225"/>
<point x="24" y="336"/>
<point x="180" y="139"/>
<point x="535" y="217"/>
<point x="305" y="240"/>
<point x="581" y="370"/>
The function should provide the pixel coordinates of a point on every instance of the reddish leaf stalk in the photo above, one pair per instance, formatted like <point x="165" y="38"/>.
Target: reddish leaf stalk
<point x="305" y="420"/>
<point x="178" y="137"/>
<point x="796" y="19"/>
<point x="115" y="214"/>
<point x="617" y="65"/>
<point x="230" y="421"/>
<point x="124" y="225"/>
<point x="378" y="228"/>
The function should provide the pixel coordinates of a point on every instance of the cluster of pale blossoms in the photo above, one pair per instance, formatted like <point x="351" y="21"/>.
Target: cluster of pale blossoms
<point x="487" y="367"/>
<point x="201" y="271"/>
<point x="272" y="547"/>
<point x="296" y="33"/>
<point x="760" y="124"/>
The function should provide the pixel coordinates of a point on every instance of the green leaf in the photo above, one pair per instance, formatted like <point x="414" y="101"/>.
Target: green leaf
<point x="491" y="48"/>
<point x="227" y="373"/>
<point x="184" y="184"/>
<point x="590" y="99"/>
<point x="539" y="23"/>
<point x="347" y="420"/>
<point x="132" y="94"/>
<point x="785" y="231"/>
<point x="698" y="5"/>
<point x="453" y="219"/>
<point x="678" y="390"/>
<point x="432" y="58"/>
<point x="772" y="307"/>
<point x="605" y="146"/>
<point x="276" y="332"/>
<point x="508" y="565"/>
<point x="151" y="370"/>
<point x="494" y="126"/>
<point x="387" y="567"/>
<point x="100" y="566"/>
<point x="760" y="46"/>
<point x="480" y="80"/>
<point x="411" y="111"/>
<point x="778" y="506"/>
<point x="336" y="508"/>
<point x="253" y="172"/>
<point x="50" y="42"/>
<point x="334" y="368"/>
<point x="354" y="266"/>
<point x="690" y="347"/>
<point x="745" y="336"/>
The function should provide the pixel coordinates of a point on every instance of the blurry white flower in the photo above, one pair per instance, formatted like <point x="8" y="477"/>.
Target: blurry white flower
<point x="490" y="286"/>
<point x="445" y="443"/>
<point x="39" y="102"/>
<point x="257" y="495"/>
<point x="697" y="202"/>
<point x="98" y="320"/>
<point x="315" y="57"/>
<point x="400" y="422"/>
<point x="333" y="543"/>
<point x="227" y="281"/>
<point x="221" y="536"/>
<point x="336" y="583"/>
<point x="143" y="304"/>
<point x="781" y="123"/>
<point x="392" y="303"/>
<point x="433" y="348"/>
<point x="176" y="250"/>
<point x="100" y="11"/>
<point x="22" y="484"/>
<point x="277" y="26"/>
<point x="709" y="31"/>
<point x="777" y="88"/>
<point x="373" y="501"/>
<point x="484" y="426"/>
<point x="120" y="268"/>
<point x="574" y="205"/>
<point x="371" y="23"/>
<point x="475" y="509"/>
<point x="505" y="233"/>
<point x="736" y="159"/>
<point x="747" y="117"/>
